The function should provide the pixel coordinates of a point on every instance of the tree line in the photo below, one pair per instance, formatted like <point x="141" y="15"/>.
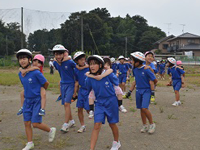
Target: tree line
<point x="102" y="34"/>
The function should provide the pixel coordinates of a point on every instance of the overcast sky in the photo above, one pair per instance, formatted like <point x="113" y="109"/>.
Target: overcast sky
<point x="159" y="13"/>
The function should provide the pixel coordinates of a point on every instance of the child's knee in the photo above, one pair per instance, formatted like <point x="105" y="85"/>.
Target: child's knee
<point x="97" y="126"/>
<point x="143" y="109"/>
<point x="67" y="104"/>
<point x="35" y="125"/>
<point x="27" y="123"/>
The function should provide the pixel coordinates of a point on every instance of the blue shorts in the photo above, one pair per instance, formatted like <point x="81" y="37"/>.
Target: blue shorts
<point x="143" y="97"/>
<point x="177" y="85"/>
<point x="31" y="109"/>
<point x="162" y="71"/>
<point x="83" y="101"/>
<point x="122" y="78"/>
<point x="107" y="107"/>
<point x="67" y="91"/>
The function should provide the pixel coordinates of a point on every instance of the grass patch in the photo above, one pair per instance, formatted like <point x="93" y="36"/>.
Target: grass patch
<point x="132" y="109"/>
<point x="172" y="116"/>
<point x="161" y="109"/>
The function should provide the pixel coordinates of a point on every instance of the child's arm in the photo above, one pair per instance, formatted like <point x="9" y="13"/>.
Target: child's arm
<point x="46" y="84"/>
<point x="22" y="98"/>
<point x="24" y="71"/>
<point x="76" y="87"/>
<point x="152" y="85"/>
<point x="81" y="68"/>
<point x="99" y="77"/>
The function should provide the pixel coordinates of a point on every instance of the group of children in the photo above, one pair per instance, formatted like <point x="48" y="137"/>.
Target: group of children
<point x="100" y="84"/>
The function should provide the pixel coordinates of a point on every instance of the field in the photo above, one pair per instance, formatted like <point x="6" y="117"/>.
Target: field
<point x="177" y="127"/>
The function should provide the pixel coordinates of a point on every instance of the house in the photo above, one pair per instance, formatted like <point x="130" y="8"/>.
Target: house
<point x="180" y="44"/>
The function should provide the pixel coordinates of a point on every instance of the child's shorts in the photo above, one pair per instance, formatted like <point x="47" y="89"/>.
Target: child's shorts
<point x="107" y="107"/>
<point x="162" y="71"/>
<point x="143" y="97"/>
<point x="31" y="109"/>
<point x="91" y="95"/>
<point x="118" y="90"/>
<point x="122" y="78"/>
<point x="83" y="101"/>
<point x="177" y="85"/>
<point x="67" y="91"/>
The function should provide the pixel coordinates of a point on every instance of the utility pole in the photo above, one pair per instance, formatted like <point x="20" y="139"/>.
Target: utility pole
<point x="126" y="41"/>
<point x="81" y="32"/>
<point x="6" y="45"/>
<point x="183" y="27"/>
<point x="22" y="32"/>
<point x="168" y="28"/>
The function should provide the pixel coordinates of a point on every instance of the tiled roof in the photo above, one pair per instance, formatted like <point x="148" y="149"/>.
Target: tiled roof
<point x="164" y="39"/>
<point x="186" y="35"/>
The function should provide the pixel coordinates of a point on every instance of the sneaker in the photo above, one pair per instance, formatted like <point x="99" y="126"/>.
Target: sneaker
<point x="82" y="129"/>
<point x="65" y="127"/>
<point x="42" y="112"/>
<point x="71" y="123"/>
<point x="152" y="128"/>
<point x="59" y="98"/>
<point x="91" y="114"/>
<point x="179" y="103"/>
<point x="122" y="109"/>
<point x="115" y="145"/>
<point x="20" y="111"/>
<point x="144" y="128"/>
<point x="28" y="146"/>
<point x="175" y="103"/>
<point x="152" y="99"/>
<point x="52" y="134"/>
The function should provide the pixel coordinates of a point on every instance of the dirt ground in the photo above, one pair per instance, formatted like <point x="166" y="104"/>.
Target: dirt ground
<point x="176" y="127"/>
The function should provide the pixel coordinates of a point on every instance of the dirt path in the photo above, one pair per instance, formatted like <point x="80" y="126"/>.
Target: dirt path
<point x="177" y="127"/>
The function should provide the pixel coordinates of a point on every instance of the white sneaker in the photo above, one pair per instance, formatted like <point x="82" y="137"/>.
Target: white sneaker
<point x="175" y="103"/>
<point x="29" y="146"/>
<point x="152" y="128"/>
<point x="71" y="123"/>
<point x="91" y="114"/>
<point x="115" y="145"/>
<point x="65" y="127"/>
<point x="122" y="109"/>
<point x="179" y="103"/>
<point x="82" y="129"/>
<point x="52" y="134"/>
<point x="144" y="128"/>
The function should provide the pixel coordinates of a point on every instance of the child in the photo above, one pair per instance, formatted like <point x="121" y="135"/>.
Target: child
<point x="106" y="104"/>
<point x="114" y="65"/>
<point x="118" y="90"/>
<point x="143" y="90"/>
<point x="32" y="83"/>
<point x="82" y="102"/>
<point x="162" y="69"/>
<point x="177" y="81"/>
<point x="66" y="71"/>
<point x="38" y="63"/>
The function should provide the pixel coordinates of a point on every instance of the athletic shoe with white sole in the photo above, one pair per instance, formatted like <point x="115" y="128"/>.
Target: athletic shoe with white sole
<point x="65" y="127"/>
<point x="20" y="111"/>
<point x="52" y="134"/>
<point x="152" y="128"/>
<point x="122" y="109"/>
<point x="71" y="123"/>
<point x="42" y="112"/>
<point x="144" y="128"/>
<point x="28" y="146"/>
<point x="175" y="103"/>
<point x="115" y="145"/>
<point x="91" y="114"/>
<point x="179" y="103"/>
<point x="82" y="129"/>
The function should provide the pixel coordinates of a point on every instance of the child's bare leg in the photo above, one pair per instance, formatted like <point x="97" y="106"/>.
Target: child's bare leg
<point x="81" y="116"/>
<point x="41" y="126"/>
<point x="43" y="98"/>
<point x="123" y="86"/>
<point x="95" y="134"/>
<point x="143" y="116"/>
<point x="29" y="131"/>
<point x="115" y="131"/>
<point x="68" y="115"/>
<point x="177" y="95"/>
<point x="148" y="115"/>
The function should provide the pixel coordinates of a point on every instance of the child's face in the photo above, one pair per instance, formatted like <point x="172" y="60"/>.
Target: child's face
<point x="59" y="56"/>
<point x="94" y="67"/>
<point x="121" y="61"/>
<point x="23" y="61"/>
<point x="81" y="61"/>
<point x="168" y="64"/>
<point x="36" y="63"/>
<point x="149" y="58"/>
<point x="107" y="66"/>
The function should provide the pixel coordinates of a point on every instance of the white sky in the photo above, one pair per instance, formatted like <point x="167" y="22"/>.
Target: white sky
<point x="157" y="12"/>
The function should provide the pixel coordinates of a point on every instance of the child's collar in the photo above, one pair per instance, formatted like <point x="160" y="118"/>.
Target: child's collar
<point x="141" y="67"/>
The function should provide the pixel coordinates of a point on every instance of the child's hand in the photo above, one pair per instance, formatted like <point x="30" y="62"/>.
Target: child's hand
<point x="23" y="71"/>
<point x="87" y="74"/>
<point x="66" y="58"/>
<point x="147" y="67"/>
<point x="98" y="77"/>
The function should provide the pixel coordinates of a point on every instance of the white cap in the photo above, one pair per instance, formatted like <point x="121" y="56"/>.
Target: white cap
<point x="172" y="60"/>
<point x="138" y="55"/>
<point x="59" y="47"/>
<point x="112" y="59"/>
<point x="77" y="54"/>
<point x="121" y="57"/>
<point x="24" y="51"/>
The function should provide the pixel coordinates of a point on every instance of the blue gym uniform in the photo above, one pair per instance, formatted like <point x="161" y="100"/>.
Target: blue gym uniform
<point x="32" y="83"/>
<point x="114" y="68"/>
<point x="123" y="68"/>
<point x="152" y="66"/>
<point x="143" y="89"/>
<point x="106" y="103"/>
<point x="83" y="101"/>
<point x="176" y="77"/>
<point x="162" y="68"/>
<point x="66" y="71"/>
